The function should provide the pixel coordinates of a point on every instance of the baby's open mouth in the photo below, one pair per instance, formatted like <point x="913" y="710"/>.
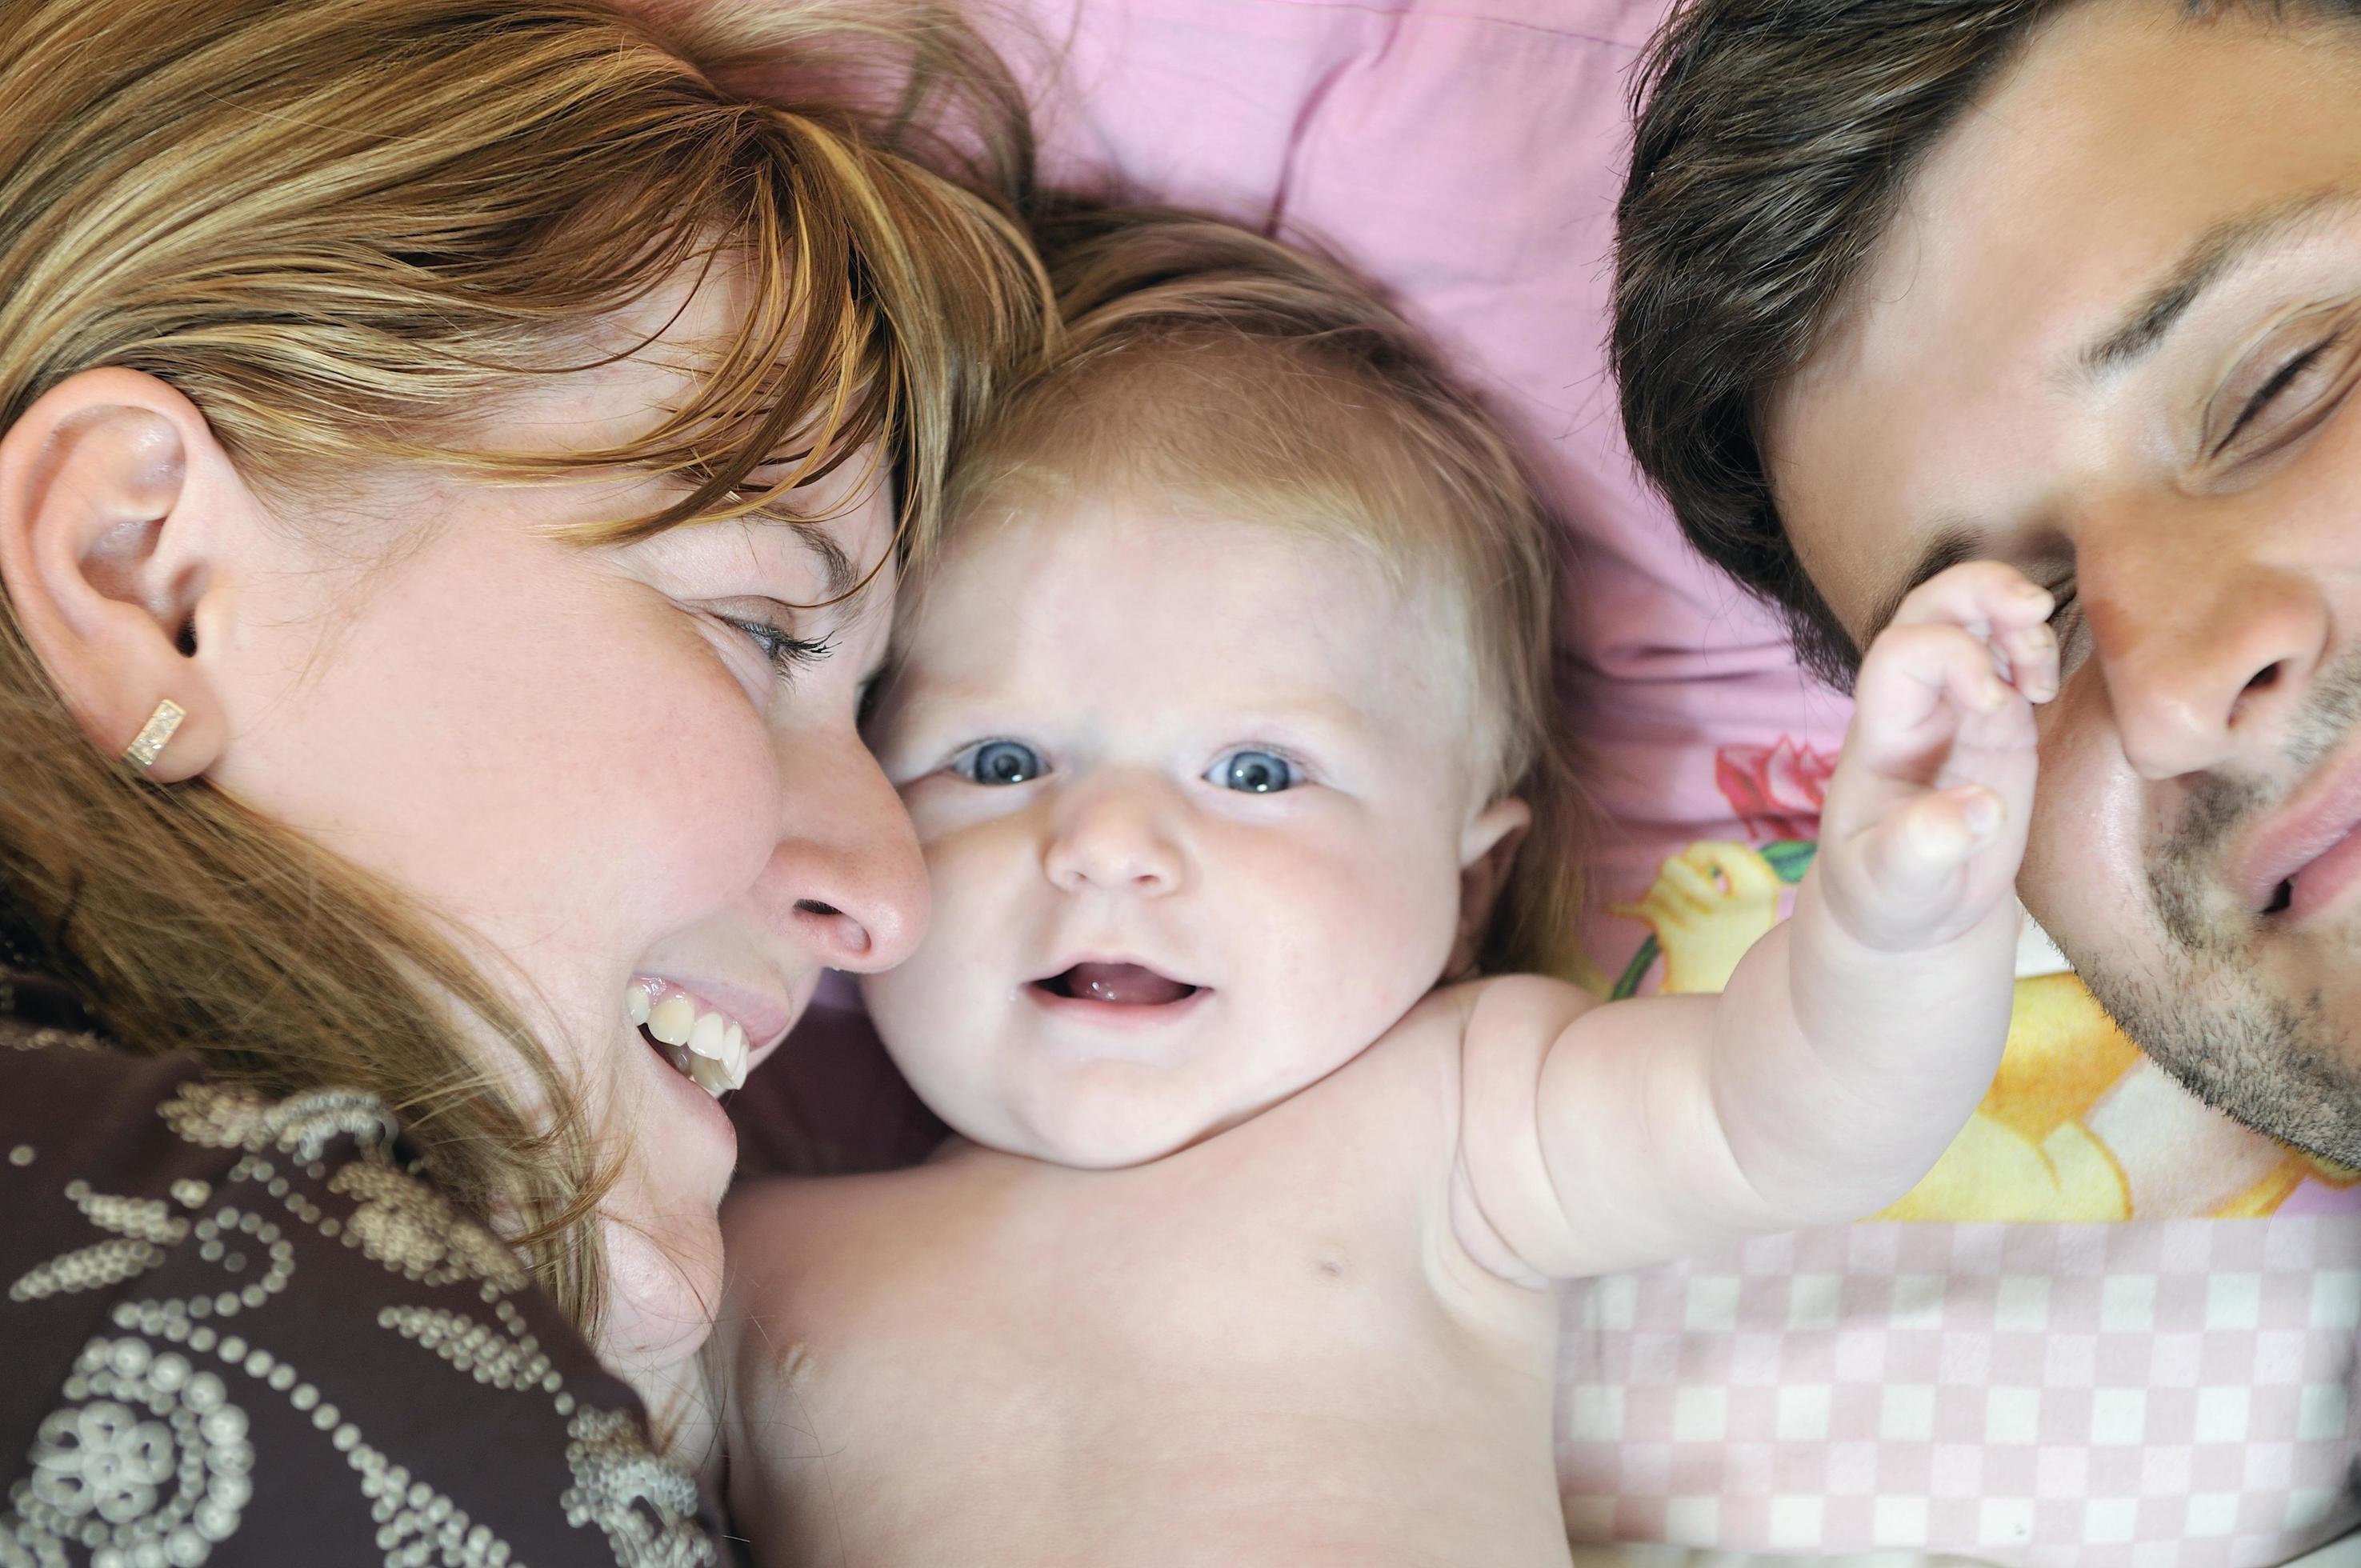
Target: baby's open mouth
<point x="1117" y="985"/>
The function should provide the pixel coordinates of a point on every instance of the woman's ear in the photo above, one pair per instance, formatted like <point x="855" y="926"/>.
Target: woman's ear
<point x="1486" y="850"/>
<point x="117" y="504"/>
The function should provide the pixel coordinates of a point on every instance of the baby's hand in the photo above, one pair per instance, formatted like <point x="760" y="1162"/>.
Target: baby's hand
<point x="1925" y="820"/>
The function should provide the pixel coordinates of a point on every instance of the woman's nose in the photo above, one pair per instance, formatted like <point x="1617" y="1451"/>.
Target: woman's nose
<point x="2207" y="650"/>
<point x="1114" y="835"/>
<point x="846" y="876"/>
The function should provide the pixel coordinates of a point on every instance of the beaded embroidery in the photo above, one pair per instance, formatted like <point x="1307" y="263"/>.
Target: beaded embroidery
<point x="144" y="1459"/>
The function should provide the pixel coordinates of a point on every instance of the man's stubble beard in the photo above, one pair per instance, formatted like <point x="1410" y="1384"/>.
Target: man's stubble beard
<point x="2283" y="1065"/>
<point x="2273" y="1063"/>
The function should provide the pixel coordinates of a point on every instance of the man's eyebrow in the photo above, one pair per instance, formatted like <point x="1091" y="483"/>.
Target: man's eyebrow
<point x="2214" y="257"/>
<point x="1951" y="544"/>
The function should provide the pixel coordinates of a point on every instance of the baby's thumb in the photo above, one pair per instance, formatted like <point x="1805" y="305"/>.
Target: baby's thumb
<point x="1910" y="861"/>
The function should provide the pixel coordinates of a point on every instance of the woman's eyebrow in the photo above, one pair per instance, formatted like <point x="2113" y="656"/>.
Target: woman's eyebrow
<point x="838" y="581"/>
<point x="836" y="567"/>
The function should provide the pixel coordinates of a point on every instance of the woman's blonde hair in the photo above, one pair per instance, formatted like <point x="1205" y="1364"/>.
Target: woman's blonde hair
<point x="346" y="228"/>
<point x="1205" y="363"/>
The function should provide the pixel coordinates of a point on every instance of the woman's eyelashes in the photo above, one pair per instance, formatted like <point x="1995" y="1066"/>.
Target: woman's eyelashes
<point x="786" y="651"/>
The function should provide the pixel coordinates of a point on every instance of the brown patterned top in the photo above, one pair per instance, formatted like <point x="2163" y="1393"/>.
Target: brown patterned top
<point x="239" y="1331"/>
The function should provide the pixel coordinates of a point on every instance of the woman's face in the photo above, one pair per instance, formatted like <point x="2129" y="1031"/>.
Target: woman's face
<point x="613" y="770"/>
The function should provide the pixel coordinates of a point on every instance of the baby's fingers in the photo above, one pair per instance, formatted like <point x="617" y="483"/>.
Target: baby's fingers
<point x="1910" y="860"/>
<point x="1917" y="686"/>
<point x="1997" y="604"/>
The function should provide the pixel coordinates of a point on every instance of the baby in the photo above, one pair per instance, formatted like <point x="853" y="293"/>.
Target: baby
<point x="1228" y="728"/>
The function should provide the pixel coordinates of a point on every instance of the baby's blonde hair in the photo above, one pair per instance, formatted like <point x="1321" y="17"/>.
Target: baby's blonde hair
<point x="1259" y="382"/>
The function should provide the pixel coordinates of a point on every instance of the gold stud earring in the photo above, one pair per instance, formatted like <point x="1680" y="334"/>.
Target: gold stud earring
<point x="149" y="745"/>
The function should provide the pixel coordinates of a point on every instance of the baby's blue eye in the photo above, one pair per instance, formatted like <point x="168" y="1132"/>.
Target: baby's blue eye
<point x="1255" y="772"/>
<point x="1000" y="763"/>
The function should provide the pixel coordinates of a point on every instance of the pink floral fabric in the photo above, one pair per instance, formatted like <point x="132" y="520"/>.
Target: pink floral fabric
<point x="1776" y="791"/>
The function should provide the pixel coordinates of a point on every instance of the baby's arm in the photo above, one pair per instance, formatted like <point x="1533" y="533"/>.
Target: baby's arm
<point x="1851" y="1044"/>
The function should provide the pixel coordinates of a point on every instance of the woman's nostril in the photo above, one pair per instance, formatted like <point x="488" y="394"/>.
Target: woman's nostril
<point x="814" y="907"/>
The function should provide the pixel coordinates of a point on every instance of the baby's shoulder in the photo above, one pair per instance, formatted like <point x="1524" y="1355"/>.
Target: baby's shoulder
<point x="792" y="1216"/>
<point x="805" y="1256"/>
<point x="1520" y="1004"/>
<point x="1510" y="1009"/>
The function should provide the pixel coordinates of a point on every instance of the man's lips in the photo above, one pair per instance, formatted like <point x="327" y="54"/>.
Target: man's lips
<point x="2322" y="813"/>
<point x="1117" y="983"/>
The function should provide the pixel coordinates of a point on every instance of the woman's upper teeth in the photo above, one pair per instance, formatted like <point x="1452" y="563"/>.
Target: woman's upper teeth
<point x="708" y="1046"/>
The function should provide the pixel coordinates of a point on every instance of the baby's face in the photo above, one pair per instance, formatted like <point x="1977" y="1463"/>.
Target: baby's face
<point x="1195" y="797"/>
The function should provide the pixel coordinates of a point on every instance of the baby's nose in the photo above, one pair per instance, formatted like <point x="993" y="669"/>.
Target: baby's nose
<point x="1117" y="838"/>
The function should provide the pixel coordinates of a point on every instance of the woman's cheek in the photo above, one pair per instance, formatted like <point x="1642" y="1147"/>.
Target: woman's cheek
<point x="699" y="830"/>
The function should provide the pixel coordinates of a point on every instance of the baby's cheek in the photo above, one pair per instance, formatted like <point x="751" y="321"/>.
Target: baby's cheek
<point x="1373" y="931"/>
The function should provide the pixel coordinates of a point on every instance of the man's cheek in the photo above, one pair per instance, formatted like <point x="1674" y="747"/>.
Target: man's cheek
<point x="2084" y="876"/>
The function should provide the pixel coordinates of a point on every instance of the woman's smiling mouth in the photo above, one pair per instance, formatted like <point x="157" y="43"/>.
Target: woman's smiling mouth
<point x="707" y="1046"/>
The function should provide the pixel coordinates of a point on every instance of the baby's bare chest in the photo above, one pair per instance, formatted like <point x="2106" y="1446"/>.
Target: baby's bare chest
<point x="1241" y="1363"/>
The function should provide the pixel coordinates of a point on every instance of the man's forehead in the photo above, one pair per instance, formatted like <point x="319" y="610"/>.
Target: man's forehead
<point x="2053" y="237"/>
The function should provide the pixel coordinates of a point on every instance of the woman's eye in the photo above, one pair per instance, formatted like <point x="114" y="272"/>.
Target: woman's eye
<point x="786" y="651"/>
<point x="1253" y="773"/>
<point x="999" y="762"/>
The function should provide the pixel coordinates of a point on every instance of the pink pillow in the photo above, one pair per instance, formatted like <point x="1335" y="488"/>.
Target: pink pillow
<point x="1467" y="160"/>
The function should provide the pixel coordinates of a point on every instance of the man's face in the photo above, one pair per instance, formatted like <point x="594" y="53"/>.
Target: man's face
<point x="2110" y="337"/>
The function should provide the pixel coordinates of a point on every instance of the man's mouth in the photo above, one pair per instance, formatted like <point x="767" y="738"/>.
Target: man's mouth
<point x="1116" y="985"/>
<point x="2303" y="852"/>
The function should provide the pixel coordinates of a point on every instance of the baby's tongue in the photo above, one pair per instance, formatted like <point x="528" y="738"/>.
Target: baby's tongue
<point x="1126" y="985"/>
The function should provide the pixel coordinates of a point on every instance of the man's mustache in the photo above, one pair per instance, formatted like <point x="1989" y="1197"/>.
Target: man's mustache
<point x="2220" y="804"/>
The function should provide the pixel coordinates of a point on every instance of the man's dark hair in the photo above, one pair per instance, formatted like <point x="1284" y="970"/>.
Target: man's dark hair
<point x="1774" y="142"/>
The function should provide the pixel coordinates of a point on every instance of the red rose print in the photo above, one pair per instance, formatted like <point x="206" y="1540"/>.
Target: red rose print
<point x="1775" y="790"/>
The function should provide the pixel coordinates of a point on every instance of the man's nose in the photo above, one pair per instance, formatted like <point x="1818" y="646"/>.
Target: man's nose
<point x="1115" y="834"/>
<point x="2206" y="644"/>
<point x="846" y="878"/>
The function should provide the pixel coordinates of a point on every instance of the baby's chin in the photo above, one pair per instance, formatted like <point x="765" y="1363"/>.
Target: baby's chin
<point x="1101" y="1126"/>
<point x="1071" y="1136"/>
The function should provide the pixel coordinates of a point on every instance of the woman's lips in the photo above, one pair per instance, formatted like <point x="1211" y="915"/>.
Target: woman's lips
<point x="699" y="1031"/>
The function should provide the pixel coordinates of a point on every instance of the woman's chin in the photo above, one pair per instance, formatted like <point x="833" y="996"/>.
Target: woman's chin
<point x="662" y="1296"/>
